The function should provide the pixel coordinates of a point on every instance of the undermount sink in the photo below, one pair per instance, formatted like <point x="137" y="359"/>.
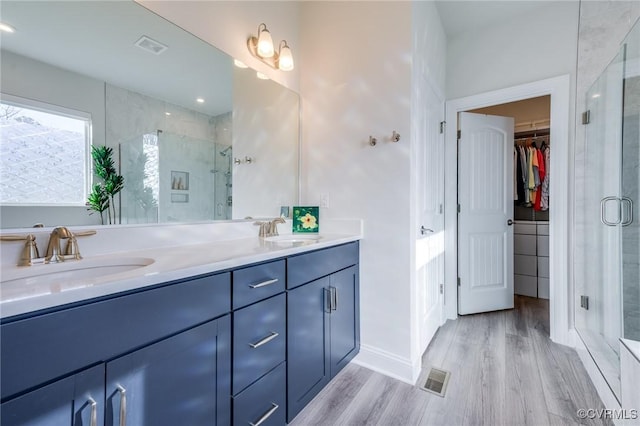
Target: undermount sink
<point x="61" y="276"/>
<point x="294" y="238"/>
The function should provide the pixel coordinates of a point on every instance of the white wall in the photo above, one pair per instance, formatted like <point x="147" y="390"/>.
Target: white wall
<point x="531" y="47"/>
<point x="228" y="24"/>
<point x="356" y="82"/>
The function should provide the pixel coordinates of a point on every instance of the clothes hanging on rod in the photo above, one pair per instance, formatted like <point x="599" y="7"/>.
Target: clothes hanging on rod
<point x="531" y="166"/>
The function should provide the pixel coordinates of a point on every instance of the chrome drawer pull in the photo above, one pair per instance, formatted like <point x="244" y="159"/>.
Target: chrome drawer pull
<point x="94" y="412"/>
<point x="267" y="339"/>
<point x="264" y="283"/>
<point x="266" y="415"/>
<point x="123" y="405"/>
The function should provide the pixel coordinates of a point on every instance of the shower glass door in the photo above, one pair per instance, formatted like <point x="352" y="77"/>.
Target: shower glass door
<point x="630" y="190"/>
<point x="598" y="314"/>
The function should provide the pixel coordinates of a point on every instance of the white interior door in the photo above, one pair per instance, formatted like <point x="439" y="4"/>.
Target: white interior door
<point x="485" y="198"/>
<point x="430" y="209"/>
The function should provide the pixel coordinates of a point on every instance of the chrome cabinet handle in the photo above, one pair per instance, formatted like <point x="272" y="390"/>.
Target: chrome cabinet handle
<point x="334" y="298"/>
<point x="629" y="202"/>
<point x="123" y="405"/>
<point x="266" y="340"/>
<point x="264" y="283"/>
<point x="266" y="415"/>
<point x="94" y="412"/>
<point x="327" y="300"/>
<point x="603" y="204"/>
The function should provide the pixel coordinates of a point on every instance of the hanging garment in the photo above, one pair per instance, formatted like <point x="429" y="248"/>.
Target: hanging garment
<point x="520" y="174"/>
<point x="544" y="202"/>
<point x="525" y="174"/>
<point x="531" y="181"/>
<point x="541" y="173"/>
<point x="515" y="174"/>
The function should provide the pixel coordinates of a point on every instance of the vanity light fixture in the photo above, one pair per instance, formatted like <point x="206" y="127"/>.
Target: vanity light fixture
<point x="262" y="48"/>
<point x="6" y="28"/>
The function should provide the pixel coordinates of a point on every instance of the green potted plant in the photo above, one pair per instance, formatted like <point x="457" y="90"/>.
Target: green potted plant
<point x="102" y="196"/>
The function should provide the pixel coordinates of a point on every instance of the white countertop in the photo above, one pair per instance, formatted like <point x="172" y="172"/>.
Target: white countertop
<point x="53" y="287"/>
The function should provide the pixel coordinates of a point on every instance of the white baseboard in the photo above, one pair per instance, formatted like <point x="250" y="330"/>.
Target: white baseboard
<point x="388" y="364"/>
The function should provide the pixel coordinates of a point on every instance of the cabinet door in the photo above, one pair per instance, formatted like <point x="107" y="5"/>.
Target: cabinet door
<point x="74" y="401"/>
<point x="182" y="380"/>
<point x="308" y="343"/>
<point x="345" y="324"/>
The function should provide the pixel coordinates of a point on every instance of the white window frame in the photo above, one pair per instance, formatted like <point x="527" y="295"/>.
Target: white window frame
<point x="21" y="102"/>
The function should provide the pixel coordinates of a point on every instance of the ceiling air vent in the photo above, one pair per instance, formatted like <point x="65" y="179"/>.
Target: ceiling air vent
<point x="150" y="45"/>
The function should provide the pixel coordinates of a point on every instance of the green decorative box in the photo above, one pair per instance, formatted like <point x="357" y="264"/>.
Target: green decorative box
<point x="306" y="219"/>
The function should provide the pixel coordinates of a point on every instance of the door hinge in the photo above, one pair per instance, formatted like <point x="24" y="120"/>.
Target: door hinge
<point x="443" y="125"/>
<point x="584" y="302"/>
<point x="458" y="281"/>
<point x="459" y="134"/>
<point x="586" y="117"/>
<point x="440" y="208"/>
<point x="441" y="288"/>
<point x="458" y="208"/>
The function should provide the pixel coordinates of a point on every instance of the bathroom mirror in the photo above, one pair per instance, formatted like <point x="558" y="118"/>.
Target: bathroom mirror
<point x="194" y="137"/>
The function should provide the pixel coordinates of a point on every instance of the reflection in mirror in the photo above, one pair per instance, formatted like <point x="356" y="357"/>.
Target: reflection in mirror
<point x="177" y="113"/>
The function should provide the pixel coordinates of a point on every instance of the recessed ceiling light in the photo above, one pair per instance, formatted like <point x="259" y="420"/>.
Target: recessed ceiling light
<point x="597" y="95"/>
<point x="167" y="113"/>
<point x="261" y="76"/>
<point x="240" y="64"/>
<point x="200" y="100"/>
<point x="6" y="28"/>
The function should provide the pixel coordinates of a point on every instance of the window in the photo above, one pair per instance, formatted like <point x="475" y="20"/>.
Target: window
<point x="44" y="153"/>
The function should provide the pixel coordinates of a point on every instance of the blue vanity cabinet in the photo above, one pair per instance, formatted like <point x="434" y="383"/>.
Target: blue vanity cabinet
<point x="77" y="400"/>
<point x="323" y="322"/>
<point x="173" y="382"/>
<point x="161" y="355"/>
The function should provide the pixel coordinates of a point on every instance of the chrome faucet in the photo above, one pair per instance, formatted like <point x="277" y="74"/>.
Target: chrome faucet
<point x="269" y="228"/>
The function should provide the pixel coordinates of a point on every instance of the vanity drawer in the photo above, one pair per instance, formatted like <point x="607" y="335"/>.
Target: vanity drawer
<point x="311" y="266"/>
<point x="264" y="400"/>
<point x="258" y="282"/>
<point x="48" y="346"/>
<point x="259" y="340"/>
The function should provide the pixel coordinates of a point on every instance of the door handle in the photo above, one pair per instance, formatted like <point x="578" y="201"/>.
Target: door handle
<point x="425" y="231"/>
<point x="509" y="222"/>
<point x="603" y="204"/>
<point x="629" y="219"/>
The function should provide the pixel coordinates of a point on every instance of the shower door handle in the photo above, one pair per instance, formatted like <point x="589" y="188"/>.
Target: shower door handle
<point x="603" y="207"/>
<point x="629" y="218"/>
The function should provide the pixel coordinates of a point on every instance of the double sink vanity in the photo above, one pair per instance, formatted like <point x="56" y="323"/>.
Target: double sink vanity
<point x="243" y="330"/>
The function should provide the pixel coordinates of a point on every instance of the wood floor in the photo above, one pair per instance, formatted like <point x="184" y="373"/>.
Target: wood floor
<point x="504" y="371"/>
